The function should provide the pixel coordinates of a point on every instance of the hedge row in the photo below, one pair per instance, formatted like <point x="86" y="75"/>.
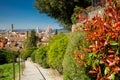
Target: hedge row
<point x="58" y="55"/>
<point x="41" y="56"/>
<point x="70" y="68"/>
<point x="27" y="52"/>
<point x="57" y="49"/>
<point x="51" y="55"/>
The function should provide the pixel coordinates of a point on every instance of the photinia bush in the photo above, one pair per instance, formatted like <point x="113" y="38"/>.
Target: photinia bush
<point x="104" y="52"/>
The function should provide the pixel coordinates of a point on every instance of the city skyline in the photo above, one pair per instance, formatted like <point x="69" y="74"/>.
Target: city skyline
<point x="23" y="15"/>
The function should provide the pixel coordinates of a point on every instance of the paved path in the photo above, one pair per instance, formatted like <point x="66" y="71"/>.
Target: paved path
<point x="33" y="71"/>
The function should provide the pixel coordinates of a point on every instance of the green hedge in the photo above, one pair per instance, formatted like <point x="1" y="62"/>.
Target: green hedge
<point x="41" y="56"/>
<point x="27" y="52"/>
<point x="57" y="48"/>
<point x="70" y="68"/>
<point x="33" y="56"/>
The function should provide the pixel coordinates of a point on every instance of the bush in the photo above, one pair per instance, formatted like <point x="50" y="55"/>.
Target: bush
<point x="6" y="56"/>
<point x="33" y="56"/>
<point x="2" y="58"/>
<point x="57" y="48"/>
<point x="103" y="60"/>
<point x="70" y="68"/>
<point x="41" y="57"/>
<point x="27" y="52"/>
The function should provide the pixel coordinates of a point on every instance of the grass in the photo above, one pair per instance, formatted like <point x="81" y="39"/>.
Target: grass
<point x="8" y="71"/>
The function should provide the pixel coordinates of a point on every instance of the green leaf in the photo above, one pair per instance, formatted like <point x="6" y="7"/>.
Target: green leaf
<point x="92" y="55"/>
<point x="97" y="62"/>
<point x="107" y="69"/>
<point x="107" y="37"/>
<point x="112" y="76"/>
<point x="117" y="52"/>
<point x="113" y="43"/>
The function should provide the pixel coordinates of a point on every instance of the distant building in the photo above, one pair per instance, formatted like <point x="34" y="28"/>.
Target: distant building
<point x="3" y="42"/>
<point x="37" y="30"/>
<point x="48" y="29"/>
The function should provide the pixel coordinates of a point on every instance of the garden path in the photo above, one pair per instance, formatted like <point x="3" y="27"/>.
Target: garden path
<point x="33" y="71"/>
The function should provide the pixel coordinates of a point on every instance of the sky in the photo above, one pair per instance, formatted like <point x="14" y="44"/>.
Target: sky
<point x="23" y="15"/>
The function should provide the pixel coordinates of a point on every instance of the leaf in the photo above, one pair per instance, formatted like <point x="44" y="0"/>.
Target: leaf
<point x="92" y="55"/>
<point x="107" y="37"/>
<point x="116" y="69"/>
<point x="111" y="51"/>
<point x="112" y="76"/>
<point x="107" y="69"/>
<point x="110" y="62"/>
<point x="117" y="52"/>
<point x="97" y="62"/>
<point x="117" y="59"/>
<point x="111" y="56"/>
<point x="92" y="72"/>
<point x="113" y="43"/>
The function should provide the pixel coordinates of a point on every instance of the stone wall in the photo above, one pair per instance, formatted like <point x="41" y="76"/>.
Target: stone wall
<point x="90" y="13"/>
<point x="95" y="11"/>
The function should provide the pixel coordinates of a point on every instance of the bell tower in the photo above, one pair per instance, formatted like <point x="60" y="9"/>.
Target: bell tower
<point x="12" y="27"/>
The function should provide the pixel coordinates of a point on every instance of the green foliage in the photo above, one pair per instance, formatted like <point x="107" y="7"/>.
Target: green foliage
<point x="70" y="68"/>
<point x="29" y="45"/>
<point x="2" y="58"/>
<point x="104" y="58"/>
<point x="27" y="52"/>
<point x="74" y="16"/>
<point x="41" y="56"/>
<point x="57" y="48"/>
<point x="56" y="32"/>
<point x="6" y="56"/>
<point x="31" y="41"/>
<point x="8" y="71"/>
<point x="61" y="10"/>
<point x="33" y="56"/>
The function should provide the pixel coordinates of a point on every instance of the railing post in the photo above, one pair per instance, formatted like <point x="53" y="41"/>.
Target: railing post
<point x="13" y="66"/>
<point x="19" y="65"/>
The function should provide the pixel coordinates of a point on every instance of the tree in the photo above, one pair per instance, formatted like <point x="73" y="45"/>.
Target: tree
<point x="56" y="32"/>
<point x="29" y="44"/>
<point x="61" y="10"/>
<point x="31" y="41"/>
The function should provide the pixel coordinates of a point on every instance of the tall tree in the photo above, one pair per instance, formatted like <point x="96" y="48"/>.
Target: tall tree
<point x="61" y="10"/>
<point x="31" y="41"/>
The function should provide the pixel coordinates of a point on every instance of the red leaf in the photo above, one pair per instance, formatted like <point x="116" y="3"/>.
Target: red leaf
<point x="116" y="69"/>
<point x="92" y="46"/>
<point x="117" y="59"/>
<point x="111" y="56"/>
<point x="111" y="51"/>
<point x="110" y="62"/>
<point x="92" y="72"/>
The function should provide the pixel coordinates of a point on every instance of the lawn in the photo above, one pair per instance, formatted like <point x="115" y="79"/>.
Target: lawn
<point x="7" y="73"/>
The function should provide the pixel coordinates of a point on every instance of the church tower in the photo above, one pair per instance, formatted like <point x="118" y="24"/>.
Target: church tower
<point x="37" y="30"/>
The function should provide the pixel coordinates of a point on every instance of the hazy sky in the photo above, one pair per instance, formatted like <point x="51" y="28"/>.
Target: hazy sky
<point x="23" y="15"/>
